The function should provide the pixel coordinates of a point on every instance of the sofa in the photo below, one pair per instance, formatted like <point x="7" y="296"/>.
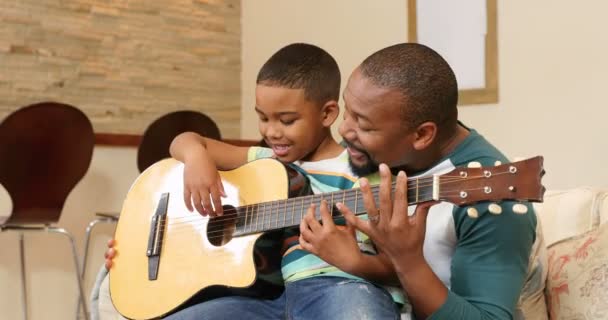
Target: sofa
<point x="574" y="260"/>
<point x="576" y="238"/>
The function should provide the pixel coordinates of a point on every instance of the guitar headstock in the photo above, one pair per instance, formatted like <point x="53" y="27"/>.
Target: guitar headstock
<point x="520" y="181"/>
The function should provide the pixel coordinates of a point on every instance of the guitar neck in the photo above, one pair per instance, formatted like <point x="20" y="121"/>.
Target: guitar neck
<point x="280" y="214"/>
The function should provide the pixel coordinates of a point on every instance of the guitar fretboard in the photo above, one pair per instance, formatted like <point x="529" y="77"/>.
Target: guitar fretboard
<point x="273" y="215"/>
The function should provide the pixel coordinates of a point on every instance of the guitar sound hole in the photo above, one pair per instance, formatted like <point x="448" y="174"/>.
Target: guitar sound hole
<point x="221" y="229"/>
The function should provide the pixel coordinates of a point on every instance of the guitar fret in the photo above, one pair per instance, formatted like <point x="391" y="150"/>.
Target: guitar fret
<point x="293" y="209"/>
<point x="356" y="198"/>
<point x="285" y="214"/>
<point x="246" y="218"/>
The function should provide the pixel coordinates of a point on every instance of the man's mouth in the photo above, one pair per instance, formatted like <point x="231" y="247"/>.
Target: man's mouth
<point x="356" y="153"/>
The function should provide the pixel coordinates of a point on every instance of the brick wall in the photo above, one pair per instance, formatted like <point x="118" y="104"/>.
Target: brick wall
<point x="124" y="62"/>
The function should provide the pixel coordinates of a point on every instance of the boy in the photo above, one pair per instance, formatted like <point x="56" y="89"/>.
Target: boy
<point x="296" y="102"/>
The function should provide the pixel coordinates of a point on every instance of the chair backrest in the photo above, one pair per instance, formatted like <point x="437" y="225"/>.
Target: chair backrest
<point x="45" y="149"/>
<point x="158" y="135"/>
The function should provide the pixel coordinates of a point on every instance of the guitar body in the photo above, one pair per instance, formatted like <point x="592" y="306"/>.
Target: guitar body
<point x="189" y="262"/>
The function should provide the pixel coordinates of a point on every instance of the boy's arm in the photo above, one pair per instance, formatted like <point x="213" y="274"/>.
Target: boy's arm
<point x="190" y="145"/>
<point x="201" y="156"/>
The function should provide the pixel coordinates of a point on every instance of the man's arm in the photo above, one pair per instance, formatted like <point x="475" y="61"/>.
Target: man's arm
<point x="488" y="266"/>
<point x="490" y="263"/>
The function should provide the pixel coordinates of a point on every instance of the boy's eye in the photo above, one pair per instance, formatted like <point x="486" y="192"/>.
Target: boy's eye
<point x="288" y="121"/>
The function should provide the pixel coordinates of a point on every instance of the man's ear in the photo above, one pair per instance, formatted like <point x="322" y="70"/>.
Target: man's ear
<point x="329" y="113"/>
<point x="425" y="135"/>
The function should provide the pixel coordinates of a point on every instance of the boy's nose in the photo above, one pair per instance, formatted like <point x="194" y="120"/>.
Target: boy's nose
<point x="273" y="132"/>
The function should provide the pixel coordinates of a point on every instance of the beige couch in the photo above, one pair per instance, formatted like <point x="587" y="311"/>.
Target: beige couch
<point x="576" y="237"/>
<point x="576" y="258"/>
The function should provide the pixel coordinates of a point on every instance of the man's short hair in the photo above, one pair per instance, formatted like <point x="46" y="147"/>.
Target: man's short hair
<point x="303" y="66"/>
<point x="424" y="79"/>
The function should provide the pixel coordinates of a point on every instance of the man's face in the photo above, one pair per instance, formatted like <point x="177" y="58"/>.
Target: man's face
<point x="373" y="128"/>
<point x="289" y="123"/>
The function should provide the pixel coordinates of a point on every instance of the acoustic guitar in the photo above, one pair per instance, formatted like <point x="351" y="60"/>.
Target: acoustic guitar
<point x="166" y="254"/>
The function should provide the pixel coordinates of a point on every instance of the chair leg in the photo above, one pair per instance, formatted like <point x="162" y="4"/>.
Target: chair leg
<point x="77" y="268"/>
<point x="23" y="283"/>
<point x="87" y="237"/>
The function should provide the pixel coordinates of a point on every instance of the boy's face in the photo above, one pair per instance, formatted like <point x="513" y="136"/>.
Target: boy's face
<point x="289" y="123"/>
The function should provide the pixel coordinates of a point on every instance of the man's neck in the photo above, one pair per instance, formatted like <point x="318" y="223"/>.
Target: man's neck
<point x="426" y="160"/>
<point x="449" y="145"/>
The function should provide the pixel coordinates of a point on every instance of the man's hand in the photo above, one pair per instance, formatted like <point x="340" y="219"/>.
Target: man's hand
<point x="396" y="234"/>
<point x="336" y="245"/>
<point x="202" y="184"/>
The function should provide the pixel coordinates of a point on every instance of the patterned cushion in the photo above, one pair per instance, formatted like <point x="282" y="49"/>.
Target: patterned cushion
<point x="577" y="283"/>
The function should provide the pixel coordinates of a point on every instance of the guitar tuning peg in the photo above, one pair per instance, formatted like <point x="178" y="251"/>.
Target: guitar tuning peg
<point x="474" y="164"/>
<point x="520" y="208"/>
<point x="472" y="212"/>
<point x="497" y="163"/>
<point x="495" y="208"/>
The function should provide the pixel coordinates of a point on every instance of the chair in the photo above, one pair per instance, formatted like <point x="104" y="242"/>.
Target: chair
<point x="154" y="147"/>
<point x="45" y="150"/>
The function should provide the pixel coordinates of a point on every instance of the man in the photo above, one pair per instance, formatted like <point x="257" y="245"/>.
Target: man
<point x="464" y="263"/>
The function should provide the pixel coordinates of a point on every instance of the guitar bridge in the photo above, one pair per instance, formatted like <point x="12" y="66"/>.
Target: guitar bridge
<point x="155" y="238"/>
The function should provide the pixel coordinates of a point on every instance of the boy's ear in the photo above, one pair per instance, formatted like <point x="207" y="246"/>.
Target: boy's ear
<point x="329" y="113"/>
<point x="425" y="135"/>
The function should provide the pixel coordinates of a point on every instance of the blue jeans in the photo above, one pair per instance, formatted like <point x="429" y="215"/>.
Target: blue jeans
<point x="316" y="298"/>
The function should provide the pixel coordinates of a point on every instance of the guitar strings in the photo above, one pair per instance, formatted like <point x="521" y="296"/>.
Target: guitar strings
<point x="421" y="183"/>
<point x="263" y="213"/>
<point x="262" y="208"/>
<point x="198" y="220"/>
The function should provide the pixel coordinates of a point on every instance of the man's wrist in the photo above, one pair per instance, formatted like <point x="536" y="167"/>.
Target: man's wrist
<point x="407" y="265"/>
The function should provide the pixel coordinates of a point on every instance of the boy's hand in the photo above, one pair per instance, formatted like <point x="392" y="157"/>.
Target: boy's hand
<point x="110" y="254"/>
<point x="396" y="234"/>
<point x="336" y="245"/>
<point x="202" y="184"/>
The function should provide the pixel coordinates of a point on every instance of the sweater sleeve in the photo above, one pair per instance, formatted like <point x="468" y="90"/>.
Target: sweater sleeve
<point x="490" y="262"/>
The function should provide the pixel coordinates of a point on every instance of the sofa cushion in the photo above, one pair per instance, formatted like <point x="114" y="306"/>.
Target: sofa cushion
<point x="565" y="214"/>
<point x="577" y="283"/>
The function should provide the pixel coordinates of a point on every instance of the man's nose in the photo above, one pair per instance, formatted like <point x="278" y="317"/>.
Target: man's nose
<point x="346" y="131"/>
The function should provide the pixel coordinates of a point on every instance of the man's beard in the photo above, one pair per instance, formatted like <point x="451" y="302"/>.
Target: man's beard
<point x="366" y="169"/>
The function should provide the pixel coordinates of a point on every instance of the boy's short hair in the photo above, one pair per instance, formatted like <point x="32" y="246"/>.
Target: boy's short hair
<point x="303" y="66"/>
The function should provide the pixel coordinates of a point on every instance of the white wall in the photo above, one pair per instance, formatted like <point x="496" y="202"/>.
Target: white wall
<point x="551" y="69"/>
